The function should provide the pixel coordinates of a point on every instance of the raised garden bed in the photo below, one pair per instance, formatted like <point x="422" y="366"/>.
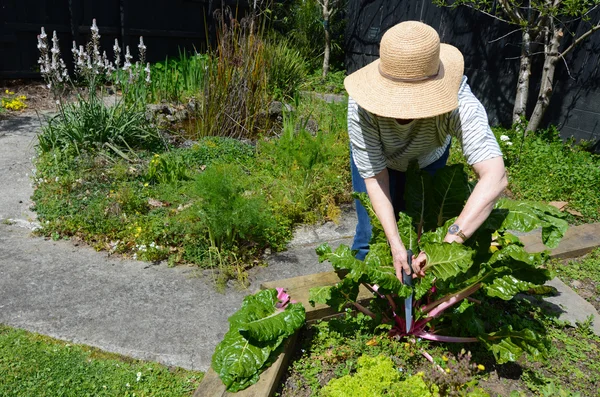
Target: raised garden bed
<point x="577" y="241"/>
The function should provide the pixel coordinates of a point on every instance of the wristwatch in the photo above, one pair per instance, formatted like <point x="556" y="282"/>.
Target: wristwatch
<point x="455" y="229"/>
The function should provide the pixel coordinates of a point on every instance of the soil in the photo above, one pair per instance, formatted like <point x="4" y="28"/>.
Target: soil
<point x="39" y="97"/>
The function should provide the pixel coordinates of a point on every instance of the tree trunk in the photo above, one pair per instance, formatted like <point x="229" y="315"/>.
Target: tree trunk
<point x="547" y="80"/>
<point x="523" y="81"/>
<point x="327" y="52"/>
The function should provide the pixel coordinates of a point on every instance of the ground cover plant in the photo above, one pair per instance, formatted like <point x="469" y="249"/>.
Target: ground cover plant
<point x="330" y="353"/>
<point x="462" y="279"/>
<point x="217" y="204"/>
<point x="36" y="365"/>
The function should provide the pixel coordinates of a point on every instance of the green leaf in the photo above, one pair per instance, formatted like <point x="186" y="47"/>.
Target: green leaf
<point x="525" y="216"/>
<point x="380" y="270"/>
<point x="255" y="331"/>
<point x="336" y="296"/>
<point x="279" y="323"/>
<point x="450" y="191"/>
<point x="508" y="345"/>
<point x="447" y="260"/>
<point x="506" y="287"/>
<point x="341" y="259"/>
<point x="237" y="361"/>
<point x="407" y="232"/>
<point x="522" y="264"/>
<point x="417" y="196"/>
<point x="437" y="235"/>
<point x="377" y="232"/>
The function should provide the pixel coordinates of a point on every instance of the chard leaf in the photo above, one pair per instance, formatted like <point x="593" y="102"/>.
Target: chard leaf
<point x="379" y="267"/>
<point x="450" y="191"/>
<point x="423" y="286"/>
<point x="506" y="287"/>
<point x="408" y="235"/>
<point x="417" y="197"/>
<point x="377" y="232"/>
<point x="336" y="296"/>
<point x="256" y="330"/>
<point x="447" y="260"/>
<point x="281" y="322"/>
<point x="508" y="345"/>
<point x="526" y="216"/>
<point x="341" y="259"/>
<point x="437" y="235"/>
<point x="522" y="264"/>
<point x="237" y="361"/>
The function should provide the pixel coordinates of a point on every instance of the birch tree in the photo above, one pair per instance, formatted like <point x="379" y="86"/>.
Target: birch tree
<point x="329" y="7"/>
<point x="546" y="30"/>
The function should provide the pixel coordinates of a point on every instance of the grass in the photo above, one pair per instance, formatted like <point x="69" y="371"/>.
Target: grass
<point x="541" y="167"/>
<point x="36" y="365"/>
<point x="331" y="349"/>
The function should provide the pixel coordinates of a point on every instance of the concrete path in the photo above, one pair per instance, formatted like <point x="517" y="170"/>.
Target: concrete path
<point x="170" y="315"/>
<point x="173" y="316"/>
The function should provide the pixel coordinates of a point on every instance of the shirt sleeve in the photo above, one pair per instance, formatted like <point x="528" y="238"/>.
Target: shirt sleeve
<point x="365" y="141"/>
<point x="469" y="124"/>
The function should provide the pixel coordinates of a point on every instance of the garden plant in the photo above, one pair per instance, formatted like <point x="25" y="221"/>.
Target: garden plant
<point x="461" y="279"/>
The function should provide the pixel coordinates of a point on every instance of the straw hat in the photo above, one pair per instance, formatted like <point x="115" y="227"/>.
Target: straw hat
<point x="415" y="76"/>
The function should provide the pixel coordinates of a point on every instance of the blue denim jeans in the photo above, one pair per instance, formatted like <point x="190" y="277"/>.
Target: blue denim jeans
<point x="397" y="182"/>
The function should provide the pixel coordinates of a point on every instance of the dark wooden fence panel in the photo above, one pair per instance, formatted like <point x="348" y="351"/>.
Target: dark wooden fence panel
<point x="490" y="64"/>
<point x="168" y="27"/>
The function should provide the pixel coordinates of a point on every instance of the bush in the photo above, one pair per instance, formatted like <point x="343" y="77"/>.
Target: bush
<point x="286" y="68"/>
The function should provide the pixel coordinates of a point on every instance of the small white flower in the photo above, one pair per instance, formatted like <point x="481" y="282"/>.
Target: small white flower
<point x="139" y="376"/>
<point x="509" y="143"/>
<point x="56" y="179"/>
<point x="504" y="138"/>
<point x="126" y="384"/>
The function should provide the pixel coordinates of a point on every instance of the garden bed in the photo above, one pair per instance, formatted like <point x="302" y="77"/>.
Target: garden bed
<point x="326" y="350"/>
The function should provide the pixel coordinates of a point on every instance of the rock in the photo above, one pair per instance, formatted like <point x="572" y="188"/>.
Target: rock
<point x="276" y="109"/>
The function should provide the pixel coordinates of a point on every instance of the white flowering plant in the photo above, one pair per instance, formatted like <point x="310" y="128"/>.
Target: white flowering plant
<point x="89" y="123"/>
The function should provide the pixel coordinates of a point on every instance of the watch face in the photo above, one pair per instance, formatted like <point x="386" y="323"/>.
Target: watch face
<point x="453" y="229"/>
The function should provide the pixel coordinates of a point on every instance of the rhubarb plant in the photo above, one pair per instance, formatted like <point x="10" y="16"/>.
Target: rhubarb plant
<point x="256" y="331"/>
<point x="460" y="278"/>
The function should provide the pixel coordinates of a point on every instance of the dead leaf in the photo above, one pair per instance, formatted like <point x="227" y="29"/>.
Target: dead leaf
<point x="574" y="212"/>
<point x="154" y="203"/>
<point x="559" y="204"/>
<point x="372" y="342"/>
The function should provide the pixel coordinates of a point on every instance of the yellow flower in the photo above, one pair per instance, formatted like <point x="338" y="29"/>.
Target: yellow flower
<point x="444" y="358"/>
<point x="146" y="184"/>
<point x="480" y="367"/>
<point x="447" y="370"/>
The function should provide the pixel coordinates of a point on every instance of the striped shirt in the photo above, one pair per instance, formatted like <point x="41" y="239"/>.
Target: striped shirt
<point x="379" y="142"/>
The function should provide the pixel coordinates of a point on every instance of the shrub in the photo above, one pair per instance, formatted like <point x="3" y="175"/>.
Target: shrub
<point x="286" y="68"/>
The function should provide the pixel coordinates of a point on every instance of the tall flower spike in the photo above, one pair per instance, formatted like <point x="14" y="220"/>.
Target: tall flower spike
<point x="142" y="50"/>
<point x="127" y="64"/>
<point x="117" y="52"/>
<point x="147" y="70"/>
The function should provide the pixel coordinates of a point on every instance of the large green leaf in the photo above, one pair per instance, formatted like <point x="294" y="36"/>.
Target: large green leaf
<point x="523" y="265"/>
<point x="506" y="287"/>
<point x="447" y="260"/>
<point x="526" y="216"/>
<point x="417" y="196"/>
<point x="377" y="232"/>
<point x="336" y="296"/>
<point x="407" y="232"/>
<point x="279" y="323"/>
<point x="450" y="191"/>
<point x="508" y="345"/>
<point x="255" y="331"/>
<point x="437" y="235"/>
<point x="238" y="362"/>
<point x="380" y="270"/>
<point x="341" y="259"/>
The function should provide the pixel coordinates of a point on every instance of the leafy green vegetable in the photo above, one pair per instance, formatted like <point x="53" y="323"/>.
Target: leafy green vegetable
<point x="256" y="330"/>
<point x="492" y="264"/>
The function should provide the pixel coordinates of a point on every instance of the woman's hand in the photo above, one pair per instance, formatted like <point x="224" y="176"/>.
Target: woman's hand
<point x="400" y="257"/>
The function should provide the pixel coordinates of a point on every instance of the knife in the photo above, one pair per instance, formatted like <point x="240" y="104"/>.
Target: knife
<point x="407" y="280"/>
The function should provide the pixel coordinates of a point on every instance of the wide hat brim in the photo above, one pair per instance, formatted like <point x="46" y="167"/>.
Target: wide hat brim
<point x="409" y="99"/>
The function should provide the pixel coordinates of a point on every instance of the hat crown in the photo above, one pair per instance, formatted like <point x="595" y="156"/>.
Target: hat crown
<point x="410" y="50"/>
